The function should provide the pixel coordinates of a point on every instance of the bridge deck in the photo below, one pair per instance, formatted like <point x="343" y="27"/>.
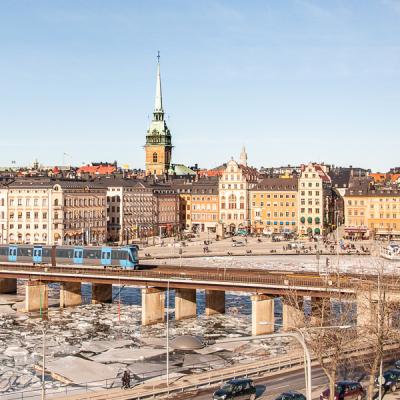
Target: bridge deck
<point x="258" y="281"/>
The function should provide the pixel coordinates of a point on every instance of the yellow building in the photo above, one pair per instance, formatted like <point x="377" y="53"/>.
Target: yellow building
<point x="273" y="206"/>
<point x="372" y="211"/>
<point x="158" y="145"/>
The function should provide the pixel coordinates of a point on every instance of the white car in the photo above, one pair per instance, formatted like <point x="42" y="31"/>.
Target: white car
<point x="238" y="244"/>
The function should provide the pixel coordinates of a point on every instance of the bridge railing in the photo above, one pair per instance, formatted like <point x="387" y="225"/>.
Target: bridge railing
<point x="288" y="280"/>
<point x="254" y="278"/>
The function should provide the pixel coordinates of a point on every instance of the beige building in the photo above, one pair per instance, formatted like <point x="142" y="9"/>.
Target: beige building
<point x="29" y="212"/>
<point x="315" y="197"/>
<point x="3" y="214"/>
<point x="43" y="211"/>
<point x="234" y="186"/>
<point x="79" y="213"/>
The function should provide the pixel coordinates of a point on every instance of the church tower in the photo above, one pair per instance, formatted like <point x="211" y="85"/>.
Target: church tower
<point x="158" y="138"/>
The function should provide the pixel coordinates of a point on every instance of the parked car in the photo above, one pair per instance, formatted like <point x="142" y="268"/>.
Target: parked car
<point x="236" y="389"/>
<point x="238" y="243"/>
<point x="291" y="395"/>
<point x="397" y="364"/>
<point x="391" y="380"/>
<point x="295" y="245"/>
<point x="345" y="390"/>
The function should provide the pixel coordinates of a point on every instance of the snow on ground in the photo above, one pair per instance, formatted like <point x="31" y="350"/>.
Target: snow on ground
<point x="301" y="262"/>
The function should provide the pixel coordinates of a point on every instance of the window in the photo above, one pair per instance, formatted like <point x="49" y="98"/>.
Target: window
<point x="232" y="202"/>
<point x="155" y="157"/>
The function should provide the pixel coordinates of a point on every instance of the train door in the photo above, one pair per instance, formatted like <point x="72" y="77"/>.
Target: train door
<point x="37" y="254"/>
<point x="78" y="256"/>
<point x="106" y="256"/>
<point x="12" y="253"/>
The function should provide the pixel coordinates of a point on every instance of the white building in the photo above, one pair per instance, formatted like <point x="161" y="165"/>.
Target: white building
<point x="3" y="214"/>
<point x="234" y="186"/>
<point x="29" y="212"/>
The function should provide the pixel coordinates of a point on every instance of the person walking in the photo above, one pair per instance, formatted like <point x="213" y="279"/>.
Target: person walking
<point x="126" y="380"/>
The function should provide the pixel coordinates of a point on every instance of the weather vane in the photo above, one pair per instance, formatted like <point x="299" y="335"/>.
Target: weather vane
<point x="158" y="55"/>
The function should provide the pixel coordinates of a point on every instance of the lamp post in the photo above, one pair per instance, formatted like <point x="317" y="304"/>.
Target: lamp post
<point x="293" y="335"/>
<point x="43" y="362"/>
<point x="307" y="358"/>
<point x="167" y="333"/>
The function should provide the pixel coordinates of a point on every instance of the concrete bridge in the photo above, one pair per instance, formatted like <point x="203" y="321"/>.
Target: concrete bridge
<point x="263" y="286"/>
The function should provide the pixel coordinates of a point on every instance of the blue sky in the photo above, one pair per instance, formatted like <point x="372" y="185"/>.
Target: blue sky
<point x="295" y="81"/>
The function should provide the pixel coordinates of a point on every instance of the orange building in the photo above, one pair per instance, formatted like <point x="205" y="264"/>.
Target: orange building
<point x="205" y="205"/>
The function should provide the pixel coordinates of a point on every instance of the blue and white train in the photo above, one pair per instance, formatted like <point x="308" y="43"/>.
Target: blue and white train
<point x="124" y="257"/>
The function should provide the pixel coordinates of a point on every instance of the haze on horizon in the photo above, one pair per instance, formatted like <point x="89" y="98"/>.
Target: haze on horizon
<point x="294" y="81"/>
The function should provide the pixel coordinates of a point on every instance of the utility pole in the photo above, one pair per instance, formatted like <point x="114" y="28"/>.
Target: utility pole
<point x="43" y="362"/>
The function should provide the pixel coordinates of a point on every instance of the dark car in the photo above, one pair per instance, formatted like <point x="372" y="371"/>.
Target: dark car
<point x="391" y="380"/>
<point x="236" y="389"/>
<point x="397" y="364"/>
<point x="291" y="395"/>
<point x="345" y="390"/>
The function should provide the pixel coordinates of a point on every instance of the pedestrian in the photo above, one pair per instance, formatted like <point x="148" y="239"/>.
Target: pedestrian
<point x="126" y="380"/>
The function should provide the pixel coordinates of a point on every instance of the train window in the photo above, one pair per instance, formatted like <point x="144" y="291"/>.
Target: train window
<point x="24" y="251"/>
<point x="92" y="254"/>
<point x="46" y="252"/>
<point x="117" y="255"/>
<point x="3" y="251"/>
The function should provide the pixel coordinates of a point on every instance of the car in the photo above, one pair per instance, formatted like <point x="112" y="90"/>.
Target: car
<point x="291" y="395"/>
<point x="391" y="380"/>
<point x="238" y="243"/>
<point x="397" y="364"/>
<point x="295" y="245"/>
<point x="236" y="389"/>
<point x="345" y="390"/>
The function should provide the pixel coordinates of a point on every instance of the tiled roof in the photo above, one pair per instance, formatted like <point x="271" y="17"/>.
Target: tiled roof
<point x="277" y="184"/>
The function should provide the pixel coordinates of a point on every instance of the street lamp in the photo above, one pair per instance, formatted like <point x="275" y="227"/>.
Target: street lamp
<point x="43" y="361"/>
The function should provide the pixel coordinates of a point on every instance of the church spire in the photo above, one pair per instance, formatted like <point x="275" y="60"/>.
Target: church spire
<point x="158" y="107"/>
<point x="243" y="156"/>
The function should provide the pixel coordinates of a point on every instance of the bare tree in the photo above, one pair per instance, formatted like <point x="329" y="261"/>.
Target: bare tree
<point x="325" y="327"/>
<point x="376" y="313"/>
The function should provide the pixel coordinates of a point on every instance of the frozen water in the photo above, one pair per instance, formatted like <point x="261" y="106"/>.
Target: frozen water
<point x="78" y="370"/>
<point x="101" y="335"/>
<point x="103" y="345"/>
<point x="128" y="356"/>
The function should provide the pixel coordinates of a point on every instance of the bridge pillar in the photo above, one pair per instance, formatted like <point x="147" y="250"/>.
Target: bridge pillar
<point x="215" y="302"/>
<point x="36" y="296"/>
<point x="8" y="286"/>
<point x="262" y="310"/>
<point x="292" y="315"/>
<point x="320" y="311"/>
<point x="366" y="310"/>
<point x="101" y="293"/>
<point x="153" y="306"/>
<point x="70" y="294"/>
<point x="185" y="303"/>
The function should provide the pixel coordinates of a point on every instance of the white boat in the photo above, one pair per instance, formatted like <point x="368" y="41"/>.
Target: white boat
<point x="391" y="252"/>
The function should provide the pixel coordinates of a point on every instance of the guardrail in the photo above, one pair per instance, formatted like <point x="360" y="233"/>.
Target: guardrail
<point x="141" y="379"/>
<point x="255" y="278"/>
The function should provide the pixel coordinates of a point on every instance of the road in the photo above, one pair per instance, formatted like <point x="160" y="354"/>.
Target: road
<point x="269" y="388"/>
